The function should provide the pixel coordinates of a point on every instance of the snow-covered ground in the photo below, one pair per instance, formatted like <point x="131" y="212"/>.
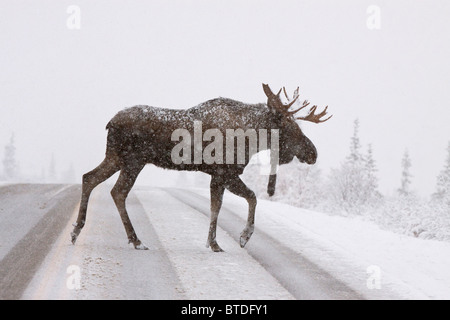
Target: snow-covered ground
<point x="375" y="263"/>
<point x="357" y="251"/>
<point x="177" y="265"/>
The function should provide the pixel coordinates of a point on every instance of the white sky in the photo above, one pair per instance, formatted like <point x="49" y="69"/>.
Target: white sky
<point x="59" y="87"/>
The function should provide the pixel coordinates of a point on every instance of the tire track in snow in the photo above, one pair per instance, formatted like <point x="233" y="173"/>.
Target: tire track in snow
<point x="21" y="208"/>
<point x="21" y="262"/>
<point x="230" y="275"/>
<point x="302" y="278"/>
<point x="109" y="267"/>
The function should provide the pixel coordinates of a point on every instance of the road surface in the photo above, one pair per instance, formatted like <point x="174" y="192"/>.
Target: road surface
<point x="38" y="261"/>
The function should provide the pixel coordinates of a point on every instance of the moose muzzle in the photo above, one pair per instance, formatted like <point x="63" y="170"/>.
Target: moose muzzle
<point x="307" y="152"/>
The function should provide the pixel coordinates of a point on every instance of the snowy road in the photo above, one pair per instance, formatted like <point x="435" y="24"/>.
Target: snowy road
<point x="303" y="279"/>
<point x="38" y="263"/>
<point x="283" y="260"/>
<point x="32" y="216"/>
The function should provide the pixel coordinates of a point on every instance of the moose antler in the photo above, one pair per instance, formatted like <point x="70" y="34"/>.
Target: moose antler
<point x="276" y="104"/>
<point x="295" y="97"/>
<point x="316" y="118"/>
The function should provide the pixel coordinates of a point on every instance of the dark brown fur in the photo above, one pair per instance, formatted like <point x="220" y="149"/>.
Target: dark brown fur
<point x="140" y="135"/>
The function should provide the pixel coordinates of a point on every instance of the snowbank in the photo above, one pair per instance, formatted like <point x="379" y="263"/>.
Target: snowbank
<point x="376" y="262"/>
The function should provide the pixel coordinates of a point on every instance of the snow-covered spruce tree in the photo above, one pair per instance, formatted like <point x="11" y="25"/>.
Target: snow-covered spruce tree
<point x="403" y="212"/>
<point x="435" y="223"/>
<point x="10" y="166"/>
<point x="438" y="226"/>
<point x="408" y="214"/>
<point x="442" y="193"/>
<point x="353" y="186"/>
<point x="405" y="188"/>
<point x="355" y="155"/>
<point x="373" y="195"/>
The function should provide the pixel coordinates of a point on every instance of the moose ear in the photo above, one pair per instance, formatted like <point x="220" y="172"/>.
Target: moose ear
<point x="273" y="100"/>
<point x="267" y="90"/>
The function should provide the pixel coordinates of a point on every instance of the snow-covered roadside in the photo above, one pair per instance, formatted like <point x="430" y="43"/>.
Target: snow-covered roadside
<point x="177" y="266"/>
<point x="377" y="263"/>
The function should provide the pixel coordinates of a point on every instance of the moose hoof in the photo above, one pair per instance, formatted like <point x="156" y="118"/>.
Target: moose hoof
<point x="141" y="246"/>
<point x="245" y="236"/>
<point x="138" y="245"/>
<point x="214" y="246"/>
<point x="74" y="236"/>
<point x="243" y="240"/>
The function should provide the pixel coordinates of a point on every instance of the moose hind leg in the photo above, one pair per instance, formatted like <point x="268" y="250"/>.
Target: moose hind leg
<point x="90" y="180"/>
<point x="238" y="187"/>
<point x="217" y="189"/>
<point x="119" y="193"/>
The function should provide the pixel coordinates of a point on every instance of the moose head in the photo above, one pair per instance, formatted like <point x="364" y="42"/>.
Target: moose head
<point x="293" y="142"/>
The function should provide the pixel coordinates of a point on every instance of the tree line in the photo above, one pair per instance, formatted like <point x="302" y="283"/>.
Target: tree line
<point x="11" y="168"/>
<point x="351" y="189"/>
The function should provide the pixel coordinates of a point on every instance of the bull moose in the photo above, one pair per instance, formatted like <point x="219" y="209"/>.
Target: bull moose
<point x="143" y="135"/>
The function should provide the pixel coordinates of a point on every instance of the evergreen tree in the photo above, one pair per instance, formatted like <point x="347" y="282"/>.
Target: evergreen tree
<point x="10" y="166"/>
<point x="371" y="175"/>
<point x="405" y="189"/>
<point x="354" y="185"/>
<point x="345" y="182"/>
<point x="443" y="181"/>
<point x="355" y="144"/>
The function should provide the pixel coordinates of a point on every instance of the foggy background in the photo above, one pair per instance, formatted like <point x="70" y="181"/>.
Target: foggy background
<point x="60" y="86"/>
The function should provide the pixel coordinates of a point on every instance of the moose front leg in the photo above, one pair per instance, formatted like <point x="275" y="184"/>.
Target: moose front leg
<point x="271" y="185"/>
<point x="238" y="187"/>
<point x="217" y="189"/>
